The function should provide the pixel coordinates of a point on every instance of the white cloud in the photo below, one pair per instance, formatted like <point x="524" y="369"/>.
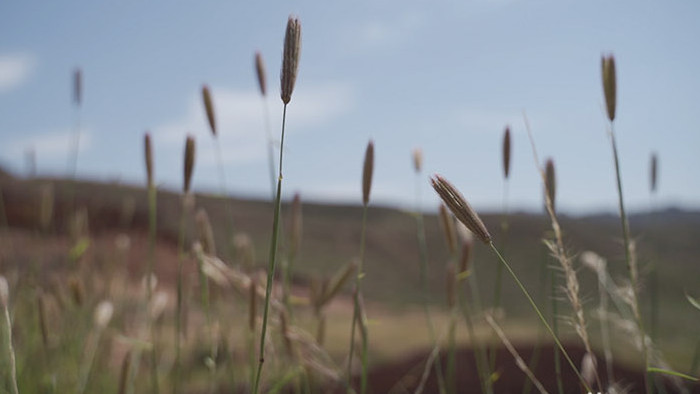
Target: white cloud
<point x="14" y="70"/>
<point x="241" y="123"/>
<point x="380" y="33"/>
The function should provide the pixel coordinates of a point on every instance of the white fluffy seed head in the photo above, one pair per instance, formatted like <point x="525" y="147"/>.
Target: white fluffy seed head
<point x="103" y="314"/>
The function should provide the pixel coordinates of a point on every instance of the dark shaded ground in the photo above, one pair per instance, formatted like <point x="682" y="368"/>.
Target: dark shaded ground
<point x="403" y="376"/>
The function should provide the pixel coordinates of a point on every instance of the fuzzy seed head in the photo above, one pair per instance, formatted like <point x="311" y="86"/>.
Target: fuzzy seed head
<point x="189" y="163"/>
<point x="551" y="182"/>
<point x="653" y="172"/>
<point x="148" y="153"/>
<point x="205" y="232"/>
<point x="367" y="171"/>
<point x="103" y="314"/>
<point x="290" y="58"/>
<point x="609" y="84"/>
<point x="260" y="72"/>
<point x="417" y="160"/>
<point x="506" y="152"/>
<point x="4" y="292"/>
<point x="460" y="207"/>
<point x="209" y="108"/>
<point x="77" y="86"/>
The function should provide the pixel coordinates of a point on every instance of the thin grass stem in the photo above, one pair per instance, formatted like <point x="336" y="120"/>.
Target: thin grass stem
<point x="539" y="314"/>
<point x="272" y="260"/>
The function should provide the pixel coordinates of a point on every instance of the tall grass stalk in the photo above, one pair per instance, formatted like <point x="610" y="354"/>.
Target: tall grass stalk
<point x="557" y="249"/>
<point x="505" y="225"/>
<point x="290" y="64"/>
<point x="609" y="79"/>
<point x="359" y="317"/>
<point x="555" y="327"/>
<point x="464" y="212"/>
<point x="151" y="257"/>
<point x="5" y="301"/>
<point x="187" y="202"/>
<point x="423" y="266"/>
<point x="103" y="314"/>
<point x="75" y="143"/>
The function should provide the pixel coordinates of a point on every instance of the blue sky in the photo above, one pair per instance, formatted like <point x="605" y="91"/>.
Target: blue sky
<point x="443" y="76"/>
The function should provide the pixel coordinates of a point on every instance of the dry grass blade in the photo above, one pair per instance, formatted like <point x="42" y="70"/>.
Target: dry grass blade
<point x="460" y="207"/>
<point x="260" y="72"/>
<point x="518" y="360"/>
<point x="609" y="84"/>
<point x="290" y="58"/>
<point x="209" y="108"/>
<point x="506" y="152"/>
<point x="189" y="163"/>
<point x="367" y="171"/>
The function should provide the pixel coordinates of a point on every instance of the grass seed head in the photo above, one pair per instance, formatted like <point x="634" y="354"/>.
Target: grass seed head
<point x="4" y="292"/>
<point x="206" y="234"/>
<point x="551" y="182"/>
<point x="77" y="86"/>
<point x="417" y="160"/>
<point x="209" y="108"/>
<point x="260" y="72"/>
<point x="189" y="162"/>
<point x="609" y="84"/>
<point x="653" y="172"/>
<point x="506" y="152"/>
<point x="367" y="171"/>
<point x="148" y="153"/>
<point x="290" y="58"/>
<point x="460" y="207"/>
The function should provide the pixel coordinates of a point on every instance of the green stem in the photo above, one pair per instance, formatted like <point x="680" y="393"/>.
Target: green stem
<point x="152" y="223"/>
<point x="357" y="315"/>
<point x="178" y="312"/>
<point x="555" y="325"/>
<point x="539" y="314"/>
<point x="11" y="352"/>
<point x="480" y="356"/>
<point x="272" y="260"/>
<point x="423" y="248"/>
<point x="628" y="258"/>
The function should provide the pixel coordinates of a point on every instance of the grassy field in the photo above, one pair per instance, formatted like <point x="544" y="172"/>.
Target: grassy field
<point x="35" y="261"/>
